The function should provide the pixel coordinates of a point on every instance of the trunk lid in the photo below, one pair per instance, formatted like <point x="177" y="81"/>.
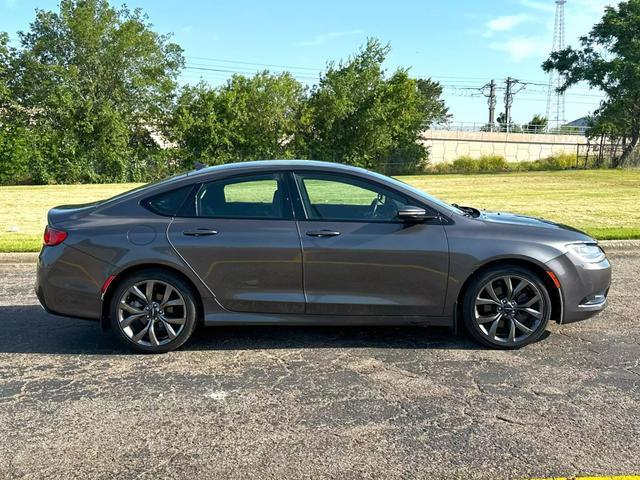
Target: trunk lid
<point x="64" y="213"/>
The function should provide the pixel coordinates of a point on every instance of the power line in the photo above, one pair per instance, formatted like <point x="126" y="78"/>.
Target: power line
<point x="232" y="71"/>
<point x="455" y="85"/>
<point x="451" y="90"/>
<point x="209" y="60"/>
<point x="306" y="72"/>
<point x="240" y="62"/>
<point x="539" y="82"/>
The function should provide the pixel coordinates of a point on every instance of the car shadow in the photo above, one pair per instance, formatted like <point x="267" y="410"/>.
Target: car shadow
<point x="29" y="329"/>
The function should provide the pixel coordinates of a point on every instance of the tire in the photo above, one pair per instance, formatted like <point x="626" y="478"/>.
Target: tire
<point x="506" y="307"/>
<point x="170" y="317"/>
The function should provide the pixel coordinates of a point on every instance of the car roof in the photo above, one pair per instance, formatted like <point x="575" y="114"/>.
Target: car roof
<point x="278" y="164"/>
<point x="208" y="173"/>
<point x="240" y="167"/>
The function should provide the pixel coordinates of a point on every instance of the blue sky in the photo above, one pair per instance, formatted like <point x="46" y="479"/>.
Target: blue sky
<point x="463" y="44"/>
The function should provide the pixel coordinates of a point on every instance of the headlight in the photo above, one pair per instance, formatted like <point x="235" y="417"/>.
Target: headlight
<point x="588" y="253"/>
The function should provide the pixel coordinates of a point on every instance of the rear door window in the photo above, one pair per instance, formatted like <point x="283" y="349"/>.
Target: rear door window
<point x="250" y="196"/>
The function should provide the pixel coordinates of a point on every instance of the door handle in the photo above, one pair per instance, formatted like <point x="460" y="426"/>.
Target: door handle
<point x="200" y="232"/>
<point x="322" y="233"/>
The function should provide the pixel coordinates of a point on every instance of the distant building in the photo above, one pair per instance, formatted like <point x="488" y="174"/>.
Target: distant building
<point x="581" y="124"/>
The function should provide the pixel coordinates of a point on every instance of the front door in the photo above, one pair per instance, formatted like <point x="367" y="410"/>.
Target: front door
<point x="359" y="258"/>
<point x="238" y="235"/>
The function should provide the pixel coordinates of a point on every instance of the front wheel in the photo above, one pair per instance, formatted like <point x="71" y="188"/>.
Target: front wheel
<point x="506" y="307"/>
<point x="153" y="311"/>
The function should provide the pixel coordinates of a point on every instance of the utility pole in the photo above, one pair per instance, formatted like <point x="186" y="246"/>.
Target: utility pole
<point x="489" y="91"/>
<point x="508" y="100"/>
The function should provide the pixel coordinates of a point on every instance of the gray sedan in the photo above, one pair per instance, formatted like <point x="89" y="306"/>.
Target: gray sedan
<point x="302" y="242"/>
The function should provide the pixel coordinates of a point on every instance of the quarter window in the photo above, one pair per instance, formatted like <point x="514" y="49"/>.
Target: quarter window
<point x="329" y="197"/>
<point x="256" y="196"/>
<point x="168" y="203"/>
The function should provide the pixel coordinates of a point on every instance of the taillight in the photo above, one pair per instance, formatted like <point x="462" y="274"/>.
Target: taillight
<point x="53" y="237"/>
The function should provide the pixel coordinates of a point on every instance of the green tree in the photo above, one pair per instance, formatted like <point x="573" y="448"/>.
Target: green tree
<point x="265" y="114"/>
<point x="609" y="59"/>
<point x="248" y="118"/>
<point x="195" y="127"/>
<point x="96" y="83"/>
<point x="5" y="71"/>
<point x="360" y="116"/>
<point x="537" y="124"/>
<point x="607" y="135"/>
<point x="14" y="135"/>
<point x="502" y="124"/>
<point x="434" y="106"/>
<point x="5" y="114"/>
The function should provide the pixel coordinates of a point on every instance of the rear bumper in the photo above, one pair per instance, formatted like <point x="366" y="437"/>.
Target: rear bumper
<point x="68" y="282"/>
<point x="584" y="287"/>
<point x="42" y="299"/>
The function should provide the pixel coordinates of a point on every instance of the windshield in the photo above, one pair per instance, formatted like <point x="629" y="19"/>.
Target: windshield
<point x="422" y="194"/>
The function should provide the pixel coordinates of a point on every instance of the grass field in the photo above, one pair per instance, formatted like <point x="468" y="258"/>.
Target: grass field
<point x="604" y="203"/>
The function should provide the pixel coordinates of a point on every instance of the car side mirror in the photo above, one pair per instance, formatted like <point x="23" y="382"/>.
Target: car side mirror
<point x="414" y="214"/>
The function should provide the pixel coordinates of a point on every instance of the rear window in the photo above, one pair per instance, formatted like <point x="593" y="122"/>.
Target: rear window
<point x="168" y="203"/>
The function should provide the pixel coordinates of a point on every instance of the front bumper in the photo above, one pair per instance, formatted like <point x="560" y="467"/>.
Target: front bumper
<point x="584" y="286"/>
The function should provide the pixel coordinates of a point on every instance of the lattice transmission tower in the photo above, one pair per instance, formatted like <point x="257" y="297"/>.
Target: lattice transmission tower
<point x="555" y="99"/>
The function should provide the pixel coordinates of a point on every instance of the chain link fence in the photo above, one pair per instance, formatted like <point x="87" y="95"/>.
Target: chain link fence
<point x="511" y="128"/>
<point x="599" y="152"/>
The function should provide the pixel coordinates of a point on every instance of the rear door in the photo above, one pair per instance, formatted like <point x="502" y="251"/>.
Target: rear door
<point x="239" y="236"/>
<point x="359" y="258"/>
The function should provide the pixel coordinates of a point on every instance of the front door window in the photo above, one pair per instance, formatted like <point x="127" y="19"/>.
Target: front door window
<point x="331" y="197"/>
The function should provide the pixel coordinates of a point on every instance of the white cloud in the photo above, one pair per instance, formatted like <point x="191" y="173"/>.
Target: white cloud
<point x="9" y="3"/>
<point x="323" y="38"/>
<point x="505" y="23"/>
<point x="520" y="48"/>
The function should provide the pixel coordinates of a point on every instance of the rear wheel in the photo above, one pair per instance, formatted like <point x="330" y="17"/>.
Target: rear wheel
<point x="153" y="311"/>
<point x="506" y="307"/>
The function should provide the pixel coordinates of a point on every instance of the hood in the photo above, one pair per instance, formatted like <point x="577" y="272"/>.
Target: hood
<point x="525" y="221"/>
<point x="63" y="213"/>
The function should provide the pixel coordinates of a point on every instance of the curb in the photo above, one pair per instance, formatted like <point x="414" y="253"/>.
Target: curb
<point x="611" y="246"/>
<point x="12" y="258"/>
<point x="621" y="245"/>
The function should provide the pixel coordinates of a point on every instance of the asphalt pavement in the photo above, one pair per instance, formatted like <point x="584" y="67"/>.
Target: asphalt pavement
<point x="303" y="402"/>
